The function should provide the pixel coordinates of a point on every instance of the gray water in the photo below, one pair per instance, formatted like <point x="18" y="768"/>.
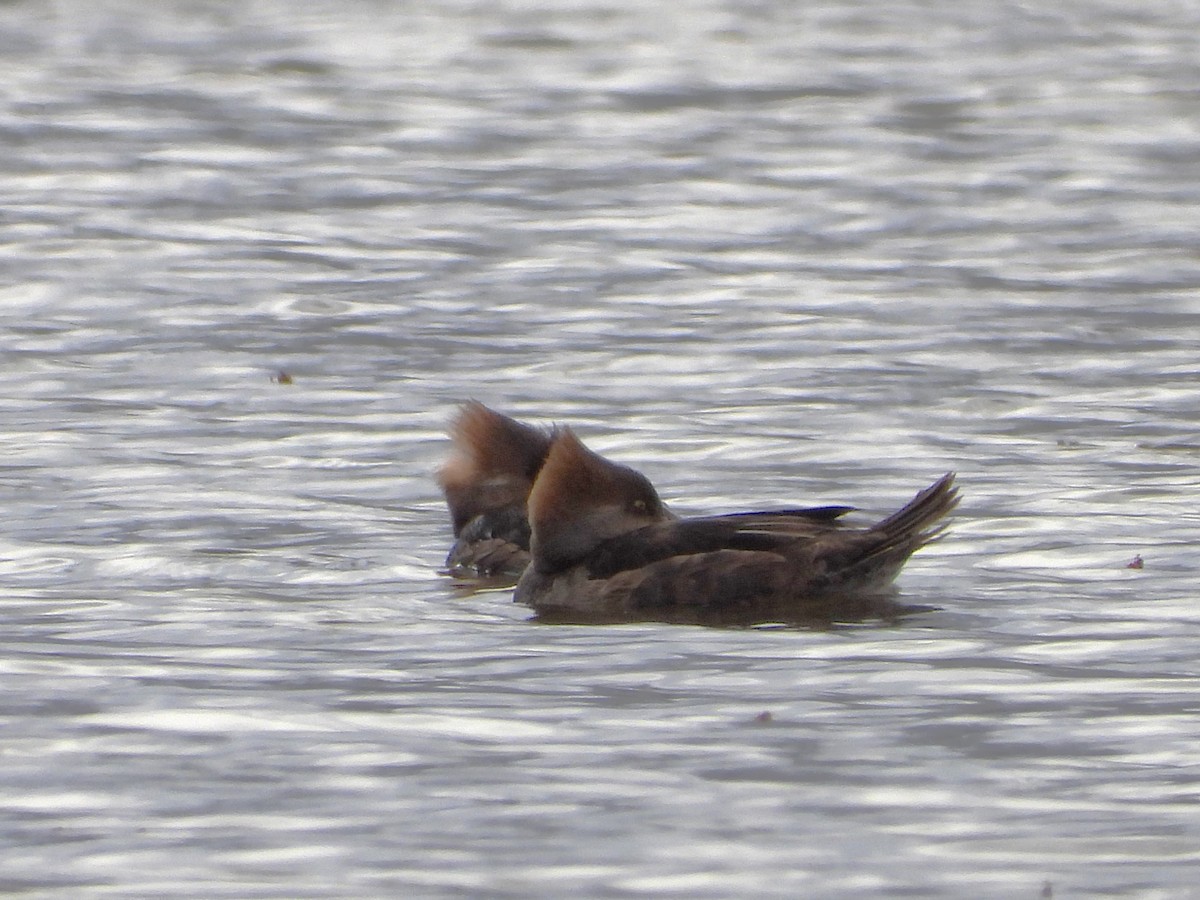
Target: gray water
<point x="767" y="253"/>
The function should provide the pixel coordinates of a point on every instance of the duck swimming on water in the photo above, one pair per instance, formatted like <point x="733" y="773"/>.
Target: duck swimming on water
<point x="604" y="548"/>
<point x="486" y="483"/>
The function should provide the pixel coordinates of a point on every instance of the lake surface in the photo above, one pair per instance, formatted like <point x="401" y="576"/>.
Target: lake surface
<point x="767" y="253"/>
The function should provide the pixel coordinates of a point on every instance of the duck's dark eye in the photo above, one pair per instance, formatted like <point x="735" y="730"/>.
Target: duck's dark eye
<point x="639" y="506"/>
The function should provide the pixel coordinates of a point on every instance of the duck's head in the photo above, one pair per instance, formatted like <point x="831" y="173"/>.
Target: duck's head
<point x="494" y="463"/>
<point x="580" y="499"/>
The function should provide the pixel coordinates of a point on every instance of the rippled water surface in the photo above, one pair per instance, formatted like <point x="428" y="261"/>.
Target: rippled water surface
<point x="768" y="253"/>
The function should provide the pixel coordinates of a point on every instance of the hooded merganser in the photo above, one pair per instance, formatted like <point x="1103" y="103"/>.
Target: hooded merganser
<point x="486" y="483"/>
<point x="605" y="549"/>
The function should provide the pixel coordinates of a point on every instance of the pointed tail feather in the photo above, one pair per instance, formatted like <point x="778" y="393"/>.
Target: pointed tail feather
<point x="875" y="557"/>
<point x="916" y="524"/>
